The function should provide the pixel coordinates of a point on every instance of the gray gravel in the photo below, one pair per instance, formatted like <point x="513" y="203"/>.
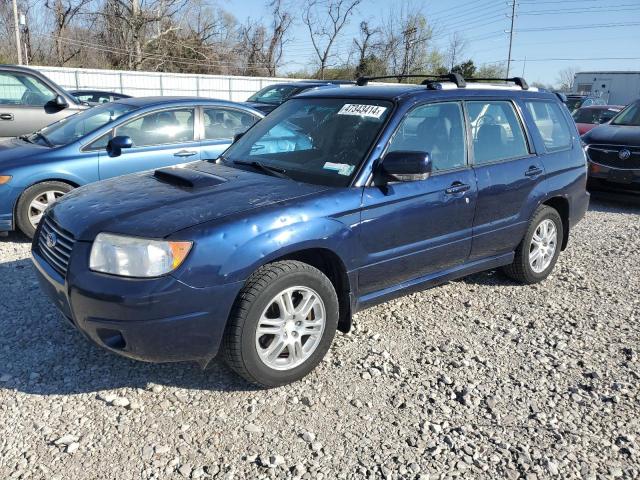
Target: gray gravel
<point x="480" y="378"/>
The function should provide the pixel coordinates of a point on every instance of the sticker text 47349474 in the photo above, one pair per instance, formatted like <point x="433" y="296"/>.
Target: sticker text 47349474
<point x="372" y="111"/>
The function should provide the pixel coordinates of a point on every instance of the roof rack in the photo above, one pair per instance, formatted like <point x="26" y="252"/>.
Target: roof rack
<point x="521" y="82"/>
<point x="431" y="80"/>
<point x="428" y="79"/>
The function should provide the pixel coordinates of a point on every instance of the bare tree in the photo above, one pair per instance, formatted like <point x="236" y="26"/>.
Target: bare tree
<point x="265" y="46"/>
<point x="566" y="77"/>
<point x="324" y="20"/>
<point x="366" y="44"/>
<point x="407" y="36"/>
<point x="455" y="50"/>
<point x="134" y="25"/>
<point x="65" y="13"/>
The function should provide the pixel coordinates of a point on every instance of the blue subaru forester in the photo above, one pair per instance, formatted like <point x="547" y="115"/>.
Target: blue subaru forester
<point x="338" y="200"/>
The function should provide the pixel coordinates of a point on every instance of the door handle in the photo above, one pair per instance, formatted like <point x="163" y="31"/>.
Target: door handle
<point x="533" y="171"/>
<point x="184" y="153"/>
<point x="6" y="116"/>
<point x="457" y="187"/>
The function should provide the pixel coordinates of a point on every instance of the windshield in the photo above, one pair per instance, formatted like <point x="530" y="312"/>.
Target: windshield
<point x="77" y="126"/>
<point x="274" y="95"/>
<point x="594" y="116"/>
<point x="314" y="140"/>
<point x="629" y="116"/>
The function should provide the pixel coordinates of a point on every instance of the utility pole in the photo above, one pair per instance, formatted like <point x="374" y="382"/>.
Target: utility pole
<point x="17" y="26"/>
<point x="513" y="19"/>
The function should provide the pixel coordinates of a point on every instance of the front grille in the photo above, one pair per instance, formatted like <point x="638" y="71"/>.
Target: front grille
<point x="58" y="255"/>
<point x="607" y="155"/>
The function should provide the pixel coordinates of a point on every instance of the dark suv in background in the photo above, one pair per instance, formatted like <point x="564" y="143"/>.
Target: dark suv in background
<point x="30" y="101"/>
<point x="338" y="200"/>
<point x="268" y="98"/>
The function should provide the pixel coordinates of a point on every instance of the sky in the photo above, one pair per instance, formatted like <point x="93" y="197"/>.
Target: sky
<point x="550" y="35"/>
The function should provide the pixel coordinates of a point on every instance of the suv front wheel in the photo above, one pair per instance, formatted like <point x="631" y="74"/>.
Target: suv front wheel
<point x="282" y="324"/>
<point x="538" y="252"/>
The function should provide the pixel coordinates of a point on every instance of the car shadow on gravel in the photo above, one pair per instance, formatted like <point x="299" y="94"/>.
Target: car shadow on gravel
<point x="41" y="354"/>
<point x="609" y="202"/>
<point x="14" y="237"/>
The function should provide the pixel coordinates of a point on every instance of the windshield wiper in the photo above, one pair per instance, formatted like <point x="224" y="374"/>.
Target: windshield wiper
<point x="275" y="171"/>
<point x="46" y="140"/>
<point x="25" y="138"/>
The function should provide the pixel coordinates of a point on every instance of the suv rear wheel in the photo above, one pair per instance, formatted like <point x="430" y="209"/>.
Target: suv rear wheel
<point x="538" y="252"/>
<point x="34" y="201"/>
<point x="282" y="324"/>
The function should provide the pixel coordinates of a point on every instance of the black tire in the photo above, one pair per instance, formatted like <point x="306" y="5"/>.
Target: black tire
<point x="239" y="343"/>
<point x="31" y="193"/>
<point x="520" y="270"/>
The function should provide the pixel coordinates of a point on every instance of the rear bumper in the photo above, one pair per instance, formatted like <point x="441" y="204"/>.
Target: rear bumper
<point x="155" y="320"/>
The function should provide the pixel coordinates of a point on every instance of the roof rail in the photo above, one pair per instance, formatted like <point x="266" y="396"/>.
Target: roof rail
<point x="521" y="82"/>
<point x="451" y="77"/>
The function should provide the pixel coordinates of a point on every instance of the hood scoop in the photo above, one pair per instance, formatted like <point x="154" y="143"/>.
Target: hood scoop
<point x="187" y="178"/>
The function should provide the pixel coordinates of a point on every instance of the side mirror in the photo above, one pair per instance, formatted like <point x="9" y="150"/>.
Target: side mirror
<point x="116" y="144"/>
<point x="60" y="101"/>
<point x="407" y="166"/>
<point x="237" y="136"/>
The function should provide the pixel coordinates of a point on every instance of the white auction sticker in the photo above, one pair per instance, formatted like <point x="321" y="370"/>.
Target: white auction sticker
<point x="373" y="111"/>
<point x="340" y="168"/>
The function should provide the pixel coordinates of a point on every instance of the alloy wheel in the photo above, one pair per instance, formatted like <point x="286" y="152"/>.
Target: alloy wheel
<point x="39" y="204"/>
<point x="543" y="245"/>
<point x="290" y="328"/>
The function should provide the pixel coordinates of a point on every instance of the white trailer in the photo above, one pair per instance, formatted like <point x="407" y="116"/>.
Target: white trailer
<point x="615" y="87"/>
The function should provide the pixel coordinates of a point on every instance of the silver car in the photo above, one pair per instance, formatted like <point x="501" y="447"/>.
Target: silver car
<point x="30" y="101"/>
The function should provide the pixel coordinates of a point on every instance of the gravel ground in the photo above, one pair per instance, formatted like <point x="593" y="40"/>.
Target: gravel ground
<point x="480" y="378"/>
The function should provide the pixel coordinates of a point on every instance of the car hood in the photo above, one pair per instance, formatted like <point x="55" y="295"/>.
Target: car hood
<point x="613" y="135"/>
<point x="14" y="152"/>
<point x="157" y="204"/>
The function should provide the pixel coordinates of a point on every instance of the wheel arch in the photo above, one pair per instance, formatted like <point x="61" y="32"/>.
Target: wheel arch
<point x="561" y="205"/>
<point x="329" y="263"/>
<point x="72" y="183"/>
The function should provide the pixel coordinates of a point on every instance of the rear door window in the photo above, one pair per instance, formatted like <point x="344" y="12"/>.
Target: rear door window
<point x="496" y="130"/>
<point x="550" y="123"/>
<point x="225" y="123"/>
<point x="160" y="128"/>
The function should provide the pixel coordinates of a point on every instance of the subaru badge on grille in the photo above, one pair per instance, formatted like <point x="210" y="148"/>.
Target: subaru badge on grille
<point x="51" y="239"/>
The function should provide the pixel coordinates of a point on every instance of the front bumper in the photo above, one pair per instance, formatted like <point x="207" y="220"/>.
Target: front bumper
<point x="8" y="199"/>
<point x="155" y="320"/>
<point x="602" y="177"/>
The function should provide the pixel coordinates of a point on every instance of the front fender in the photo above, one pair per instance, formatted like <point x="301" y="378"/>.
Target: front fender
<point x="231" y="253"/>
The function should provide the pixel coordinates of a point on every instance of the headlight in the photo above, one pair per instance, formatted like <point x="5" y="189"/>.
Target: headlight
<point x="136" y="257"/>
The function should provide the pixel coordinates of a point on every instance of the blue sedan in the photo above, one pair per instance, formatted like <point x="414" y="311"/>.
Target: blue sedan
<point x="114" y="139"/>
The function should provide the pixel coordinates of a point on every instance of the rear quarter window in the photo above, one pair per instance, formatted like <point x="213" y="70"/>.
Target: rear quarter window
<point x="550" y="123"/>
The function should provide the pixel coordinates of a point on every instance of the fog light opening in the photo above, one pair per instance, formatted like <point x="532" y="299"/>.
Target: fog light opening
<point x="112" y="338"/>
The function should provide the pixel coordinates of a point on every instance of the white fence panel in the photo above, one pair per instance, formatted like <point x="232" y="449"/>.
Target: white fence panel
<point x="142" y="84"/>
